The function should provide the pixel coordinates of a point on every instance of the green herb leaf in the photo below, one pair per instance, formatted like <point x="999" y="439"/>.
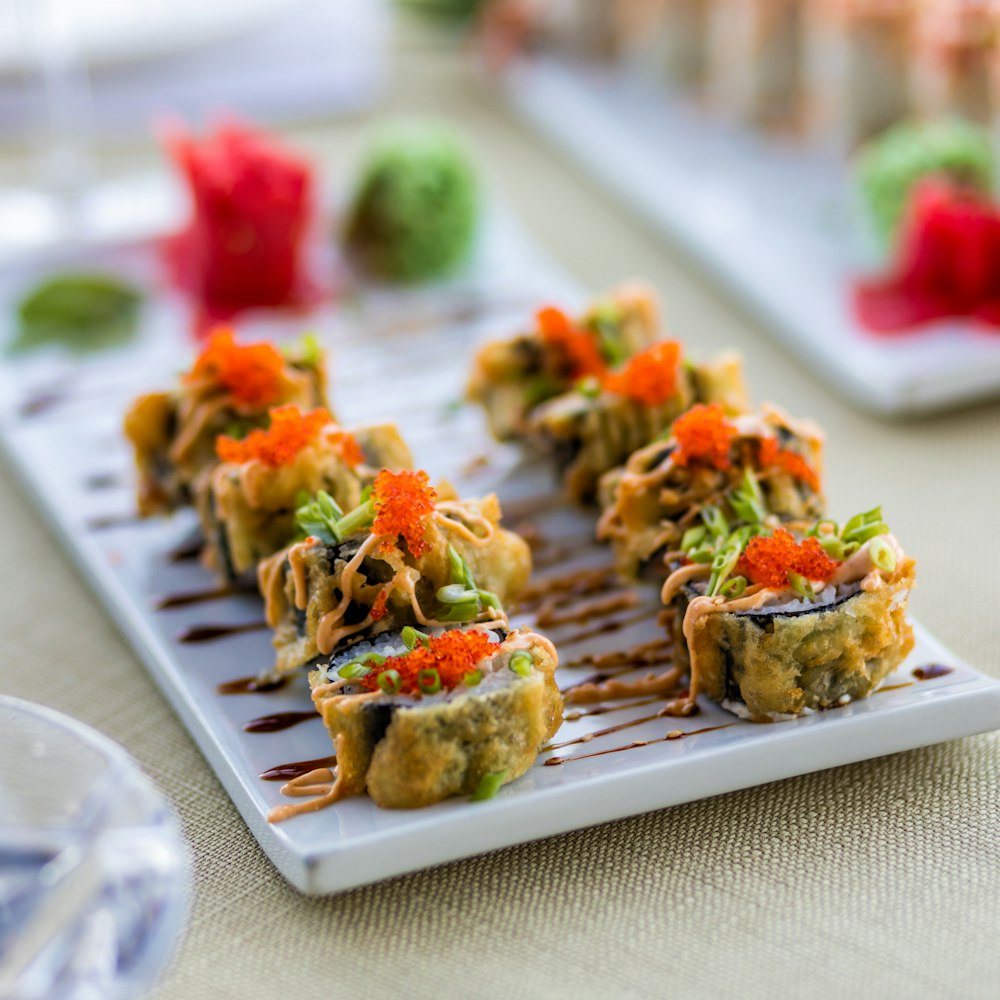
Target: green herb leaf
<point x="489" y="785"/>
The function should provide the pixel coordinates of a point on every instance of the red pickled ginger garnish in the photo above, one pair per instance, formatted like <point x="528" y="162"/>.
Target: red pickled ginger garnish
<point x="948" y="263"/>
<point x="403" y="502"/>
<point x="703" y="437"/>
<point x="650" y="377"/>
<point x="290" y="432"/>
<point x="768" y="559"/>
<point x="453" y="654"/>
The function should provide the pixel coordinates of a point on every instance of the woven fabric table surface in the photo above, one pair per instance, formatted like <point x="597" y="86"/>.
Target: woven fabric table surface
<point x="878" y="879"/>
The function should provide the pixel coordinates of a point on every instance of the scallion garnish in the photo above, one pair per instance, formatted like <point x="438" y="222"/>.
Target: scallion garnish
<point x="354" y="670"/>
<point x="589" y="387"/>
<point x="489" y="785"/>
<point x="521" y="663"/>
<point x="412" y="636"/>
<point x="429" y="680"/>
<point x="323" y="518"/>
<point x="747" y="501"/>
<point x="462" y="600"/>
<point x="802" y="586"/>
<point x="881" y="554"/>
<point x="715" y="521"/>
<point x="389" y="681"/>
<point x="693" y="537"/>
<point x="472" y="678"/>
<point x="734" y="587"/>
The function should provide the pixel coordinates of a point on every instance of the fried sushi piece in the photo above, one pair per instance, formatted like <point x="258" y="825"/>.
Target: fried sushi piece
<point x="418" y="718"/>
<point x="247" y="503"/>
<point x="748" y="467"/>
<point x="511" y="377"/>
<point x="594" y="428"/>
<point x="230" y="389"/>
<point x="775" y="627"/>
<point x="403" y="557"/>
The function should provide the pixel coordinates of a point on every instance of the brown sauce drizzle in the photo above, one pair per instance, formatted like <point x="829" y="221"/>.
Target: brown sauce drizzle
<point x="646" y="654"/>
<point x="610" y="688"/>
<point x="674" y="734"/>
<point x="932" y="670"/>
<point x="569" y="587"/>
<point x="185" y="551"/>
<point x="106" y="521"/>
<point x="102" y="481"/>
<point x="889" y="687"/>
<point x="551" y="615"/>
<point x="295" y="769"/>
<point x="278" y="722"/>
<point x="197" y="596"/>
<point x="253" y="685"/>
<point x="604" y="709"/>
<point x="209" y="633"/>
<point x="40" y="401"/>
<point x="556" y="555"/>
<point x="606" y="627"/>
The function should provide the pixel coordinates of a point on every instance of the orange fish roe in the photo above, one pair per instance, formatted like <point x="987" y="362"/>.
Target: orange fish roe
<point x="650" y="377"/>
<point x="768" y="559"/>
<point x="582" y="354"/>
<point x="250" y="373"/>
<point x="403" y="502"/>
<point x="452" y="654"/>
<point x="289" y="433"/>
<point x="773" y="455"/>
<point x="347" y="444"/>
<point x="703" y="437"/>
<point x="379" y="608"/>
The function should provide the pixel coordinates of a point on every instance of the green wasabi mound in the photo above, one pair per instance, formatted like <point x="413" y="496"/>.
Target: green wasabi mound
<point x="889" y="165"/>
<point x="414" y="213"/>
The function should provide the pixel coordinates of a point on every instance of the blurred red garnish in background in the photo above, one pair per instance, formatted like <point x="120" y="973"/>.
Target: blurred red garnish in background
<point x="947" y="264"/>
<point x="253" y="206"/>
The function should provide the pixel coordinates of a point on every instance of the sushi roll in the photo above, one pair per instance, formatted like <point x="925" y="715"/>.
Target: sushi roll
<point x="954" y="59"/>
<point x="858" y="55"/>
<point x="512" y="377"/>
<point x="772" y="625"/>
<point x="755" y="60"/>
<point x="751" y="466"/>
<point x="403" y="557"/>
<point x="596" y="427"/>
<point x="420" y="717"/>
<point x="230" y="389"/>
<point x="247" y="504"/>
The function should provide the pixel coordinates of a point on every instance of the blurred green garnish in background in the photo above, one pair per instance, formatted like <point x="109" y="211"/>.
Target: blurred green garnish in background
<point x="889" y="165"/>
<point x="83" y="312"/>
<point x="415" y="209"/>
<point x="447" y="10"/>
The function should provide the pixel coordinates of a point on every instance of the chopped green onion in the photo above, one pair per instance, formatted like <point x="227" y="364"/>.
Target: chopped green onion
<point x="354" y="670"/>
<point x="693" y="537"/>
<point x="466" y="612"/>
<point x="589" y="387"/>
<point x="832" y="546"/>
<point x="859" y="521"/>
<point x="472" y="678"/>
<point x="521" y="663"/>
<point x="459" y="567"/>
<point x="863" y="534"/>
<point x="389" y="681"/>
<point x="715" y="521"/>
<point x="850" y="548"/>
<point x="722" y="565"/>
<point x="734" y="587"/>
<point x="329" y="506"/>
<point x="824" y="529"/>
<point x="429" y="680"/>
<point x="748" y="501"/>
<point x="490" y="600"/>
<point x="702" y="554"/>
<point x="881" y="554"/>
<point x="802" y="586"/>
<point x="412" y="636"/>
<point x="359" y="519"/>
<point x="456" y="593"/>
<point x="489" y="785"/>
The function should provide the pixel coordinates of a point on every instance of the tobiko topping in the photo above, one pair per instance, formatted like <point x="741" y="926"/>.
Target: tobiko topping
<point x="250" y="373"/>
<point x="772" y="455"/>
<point x="770" y="559"/>
<point x="947" y="264"/>
<point x="252" y="206"/>
<point x="438" y="662"/>
<point x="403" y="501"/>
<point x="290" y="432"/>
<point x="380" y="607"/>
<point x="649" y="378"/>
<point x="703" y="437"/>
<point x="579" y="347"/>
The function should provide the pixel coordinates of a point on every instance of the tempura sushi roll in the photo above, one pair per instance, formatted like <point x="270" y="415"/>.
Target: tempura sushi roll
<point x="755" y="60"/>
<point x="858" y="57"/>
<point x="773" y="626"/>
<point x="593" y="429"/>
<point x="753" y="466"/>
<point x="230" y="389"/>
<point x="512" y="377"/>
<point x="403" y="557"/>
<point x="247" y="504"/>
<point x="421" y="717"/>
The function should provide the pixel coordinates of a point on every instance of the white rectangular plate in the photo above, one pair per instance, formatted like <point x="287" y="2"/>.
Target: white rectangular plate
<point x="397" y="355"/>
<point x="772" y="221"/>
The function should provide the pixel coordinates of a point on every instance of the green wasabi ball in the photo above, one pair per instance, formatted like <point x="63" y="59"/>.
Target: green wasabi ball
<point x="891" y="163"/>
<point x="414" y="212"/>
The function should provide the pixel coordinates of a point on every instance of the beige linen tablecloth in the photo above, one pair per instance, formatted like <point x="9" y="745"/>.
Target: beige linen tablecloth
<point x="879" y="879"/>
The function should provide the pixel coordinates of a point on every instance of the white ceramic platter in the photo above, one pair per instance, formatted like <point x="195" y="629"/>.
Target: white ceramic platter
<point x="404" y="356"/>
<point x="769" y="219"/>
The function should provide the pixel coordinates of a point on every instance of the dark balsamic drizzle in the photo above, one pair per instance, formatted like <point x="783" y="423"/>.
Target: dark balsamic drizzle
<point x="185" y="551"/>
<point x="611" y="625"/>
<point x="209" y="633"/>
<point x="278" y="722"/>
<point x="890" y="687"/>
<point x="102" y="481"/>
<point x="285" y="772"/>
<point x="605" y="709"/>
<point x="197" y="596"/>
<point x="674" y="734"/>
<point x="106" y="521"/>
<point x="253" y="685"/>
<point x="932" y="670"/>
